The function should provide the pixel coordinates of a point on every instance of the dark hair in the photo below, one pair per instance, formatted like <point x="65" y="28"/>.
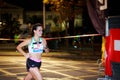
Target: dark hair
<point x="34" y="27"/>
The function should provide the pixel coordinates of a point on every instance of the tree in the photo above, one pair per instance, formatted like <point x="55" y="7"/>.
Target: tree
<point x="67" y="9"/>
<point x="9" y="26"/>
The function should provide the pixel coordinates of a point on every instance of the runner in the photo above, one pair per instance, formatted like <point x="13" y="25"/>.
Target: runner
<point x="36" y="45"/>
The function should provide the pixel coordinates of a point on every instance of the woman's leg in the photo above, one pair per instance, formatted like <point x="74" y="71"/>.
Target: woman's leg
<point x="28" y="77"/>
<point x="36" y="73"/>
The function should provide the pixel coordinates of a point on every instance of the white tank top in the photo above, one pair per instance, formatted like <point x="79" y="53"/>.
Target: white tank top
<point x="35" y="47"/>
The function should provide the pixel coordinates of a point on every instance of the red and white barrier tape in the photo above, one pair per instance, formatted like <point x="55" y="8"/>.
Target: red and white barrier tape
<point x="85" y="35"/>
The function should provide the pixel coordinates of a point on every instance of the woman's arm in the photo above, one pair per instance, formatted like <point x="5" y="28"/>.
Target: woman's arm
<point x="21" y="45"/>
<point x="45" y="45"/>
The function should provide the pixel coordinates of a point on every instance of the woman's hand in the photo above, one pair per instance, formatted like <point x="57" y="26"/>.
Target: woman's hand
<point x="46" y="50"/>
<point x="27" y="55"/>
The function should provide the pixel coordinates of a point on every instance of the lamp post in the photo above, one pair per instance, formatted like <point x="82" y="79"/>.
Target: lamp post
<point x="44" y="14"/>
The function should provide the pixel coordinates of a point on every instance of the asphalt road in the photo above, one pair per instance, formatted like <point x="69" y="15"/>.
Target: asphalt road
<point x="12" y="67"/>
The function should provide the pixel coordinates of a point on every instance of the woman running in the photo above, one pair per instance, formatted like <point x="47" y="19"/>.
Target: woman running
<point x="36" y="45"/>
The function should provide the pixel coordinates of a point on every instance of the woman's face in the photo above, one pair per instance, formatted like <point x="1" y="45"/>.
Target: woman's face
<point x="38" y="31"/>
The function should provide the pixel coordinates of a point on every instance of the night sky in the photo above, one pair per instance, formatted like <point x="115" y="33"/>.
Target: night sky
<point x="27" y="4"/>
<point x="113" y="5"/>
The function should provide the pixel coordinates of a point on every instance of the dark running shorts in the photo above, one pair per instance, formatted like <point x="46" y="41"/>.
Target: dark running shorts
<point x="31" y="63"/>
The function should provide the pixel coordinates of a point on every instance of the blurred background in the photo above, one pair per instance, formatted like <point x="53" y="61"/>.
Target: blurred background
<point x="60" y="19"/>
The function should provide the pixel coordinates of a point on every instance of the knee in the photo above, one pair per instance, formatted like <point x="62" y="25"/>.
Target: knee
<point x="28" y="77"/>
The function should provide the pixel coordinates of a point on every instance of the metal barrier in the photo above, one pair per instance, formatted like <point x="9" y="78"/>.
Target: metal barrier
<point x="115" y="71"/>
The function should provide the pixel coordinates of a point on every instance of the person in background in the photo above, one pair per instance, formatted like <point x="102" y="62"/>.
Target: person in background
<point x="36" y="45"/>
<point x="16" y="38"/>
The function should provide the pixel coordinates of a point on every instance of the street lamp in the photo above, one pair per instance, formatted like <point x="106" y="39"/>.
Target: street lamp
<point x="44" y="15"/>
<point x="44" y="12"/>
